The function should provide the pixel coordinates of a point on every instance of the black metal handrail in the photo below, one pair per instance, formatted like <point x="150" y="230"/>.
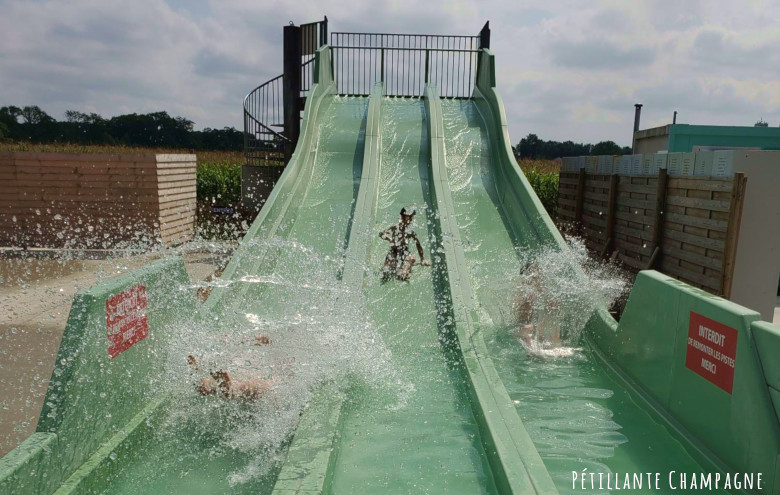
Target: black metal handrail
<point x="407" y="62"/>
<point x="404" y="62"/>
<point x="262" y="112"/>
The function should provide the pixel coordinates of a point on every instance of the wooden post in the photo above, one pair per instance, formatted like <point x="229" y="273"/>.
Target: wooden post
<point x="611" y="205"/>
<point x="732" y="233"/>
<point x="656" y="244"/>
<point x="580" y="199"/>
<point x="653" y="257"/>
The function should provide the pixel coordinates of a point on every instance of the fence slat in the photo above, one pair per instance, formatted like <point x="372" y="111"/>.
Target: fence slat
<point x="591" y="220"/>
<point x="706" y="223"/>
<point x="701" y="184"/>
<point x="596" y="196"/>
<point x="668" y="265"/>
<point x="565" y="212"/>
<point x="630" y="216"/>
<point x="597" y="209"/>
<point x="704" y="242"/>
<point x="645" y="235"/>
<point x="626" y="187"/>
<point x="635" y="203"/>
<point x="629" y="246"/>
<point x="704" y="261"/>
<point x="703" y="204"/>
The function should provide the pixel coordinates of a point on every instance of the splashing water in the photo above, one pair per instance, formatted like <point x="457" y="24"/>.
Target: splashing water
<point x="556" y="294"/>
<point x="334" y="342"/>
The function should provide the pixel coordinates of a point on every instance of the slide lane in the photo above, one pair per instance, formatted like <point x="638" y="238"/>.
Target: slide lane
<point x="417" y="433"/>
<point x="576" y="412"/>
<point x="278" y="277"/>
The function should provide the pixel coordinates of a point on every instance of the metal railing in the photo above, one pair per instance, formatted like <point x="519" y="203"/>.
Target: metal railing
<point x="313" y="36"/>
<point x="406" y="62"/>
<point x="268" y="136"/>
<point x="264" y="123"/>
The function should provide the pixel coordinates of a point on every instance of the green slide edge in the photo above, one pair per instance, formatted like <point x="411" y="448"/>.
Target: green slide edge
<point x="516" y="194"/>
<point x="91" y="476"/>
<point x="749" y="416"/>
<point x="298" y="168"/>
<point x="515" y="463"/>
<point x="737" y="432"/>
<point x="312" y="455"/>
<point x="85" y="379"/>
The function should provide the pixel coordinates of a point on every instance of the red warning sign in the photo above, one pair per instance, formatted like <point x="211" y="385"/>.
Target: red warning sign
<point x="126" y="319"/>
<point x="712" y="350"/>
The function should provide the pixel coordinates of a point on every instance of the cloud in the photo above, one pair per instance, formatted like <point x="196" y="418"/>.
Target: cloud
<point x="714" y="46"/>
<point x="600" y="55"/>
<point x="209" y="62"/>
<point x="533" y="17"/>
<point x="566" y="70"/>
<point x="699" y="102"/>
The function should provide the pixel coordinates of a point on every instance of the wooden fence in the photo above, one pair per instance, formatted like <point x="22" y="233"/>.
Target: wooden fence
<point x="95" y="201"/>
<point x="686" y="227"/>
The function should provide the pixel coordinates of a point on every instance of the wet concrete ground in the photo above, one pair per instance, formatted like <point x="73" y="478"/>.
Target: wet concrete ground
<point x="35" y="298"/>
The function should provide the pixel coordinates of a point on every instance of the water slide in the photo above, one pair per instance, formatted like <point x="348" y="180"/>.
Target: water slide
<point x="395" y="387"/>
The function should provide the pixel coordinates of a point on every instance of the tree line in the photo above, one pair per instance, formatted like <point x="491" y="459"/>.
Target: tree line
<point x="155" y="130"/>
<point x="534" y="148"/>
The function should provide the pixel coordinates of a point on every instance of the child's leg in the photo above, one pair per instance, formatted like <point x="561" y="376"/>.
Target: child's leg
<point x="406" y="269"/>
<point x="193" y="362"/>
<point x="223" y="381"/>
<point x="207" y="386"/>
<point x="389" y="266"/>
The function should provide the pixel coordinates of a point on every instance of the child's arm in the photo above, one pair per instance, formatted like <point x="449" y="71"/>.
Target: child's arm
<point x="420" y="250"/>
<point x="387" y="234"/>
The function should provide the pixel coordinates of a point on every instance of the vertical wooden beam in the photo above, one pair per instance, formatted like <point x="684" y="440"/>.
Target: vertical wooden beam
<point x="732" y="233"/>
<point x="580" y="199"/>
<point x="656" y="244"/>
<point x="611" y="206"/>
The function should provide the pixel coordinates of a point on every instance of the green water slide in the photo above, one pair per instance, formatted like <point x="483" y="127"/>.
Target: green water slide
<point x="418" y="386"/>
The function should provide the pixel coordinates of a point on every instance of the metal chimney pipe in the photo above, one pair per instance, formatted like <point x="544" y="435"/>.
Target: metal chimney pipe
<point x="674" y="119"/>
<point x="637" y="113"/>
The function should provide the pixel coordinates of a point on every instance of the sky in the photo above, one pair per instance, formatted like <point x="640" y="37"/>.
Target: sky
<point x="565" y="69"/>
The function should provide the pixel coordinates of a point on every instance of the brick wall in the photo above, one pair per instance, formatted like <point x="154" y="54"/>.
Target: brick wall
<point x="96" y="201"/>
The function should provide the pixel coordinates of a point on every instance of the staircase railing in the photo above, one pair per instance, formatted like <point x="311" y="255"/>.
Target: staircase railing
<point x="264" y="123"/>
<point x="269" y="131"/>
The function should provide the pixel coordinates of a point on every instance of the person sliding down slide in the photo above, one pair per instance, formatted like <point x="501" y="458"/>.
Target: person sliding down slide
<point x="221" y="383"/>
<point x="538" y="316"/>
<point x="399" y="260"/>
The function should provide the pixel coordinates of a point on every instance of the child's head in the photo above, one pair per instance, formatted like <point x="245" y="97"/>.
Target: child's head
<point x="407" y="214"/>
